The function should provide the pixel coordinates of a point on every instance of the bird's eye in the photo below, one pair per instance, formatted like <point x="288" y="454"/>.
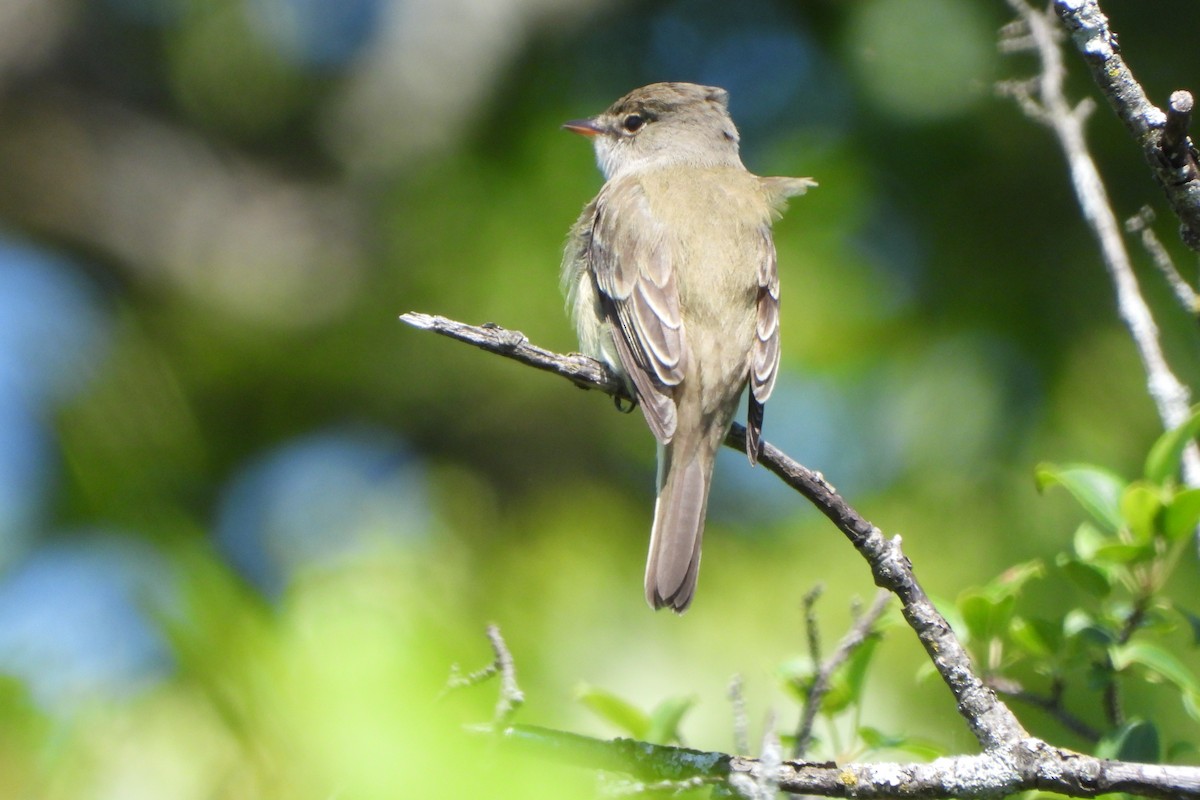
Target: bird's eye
<point x="633" y="122"/>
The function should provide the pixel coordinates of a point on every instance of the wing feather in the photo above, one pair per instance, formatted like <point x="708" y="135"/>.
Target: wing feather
<point x="764" y="355"/>
<point x="640" y="298"/>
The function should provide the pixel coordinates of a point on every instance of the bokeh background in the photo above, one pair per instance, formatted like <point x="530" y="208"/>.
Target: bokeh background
<point x="248" y="519"/>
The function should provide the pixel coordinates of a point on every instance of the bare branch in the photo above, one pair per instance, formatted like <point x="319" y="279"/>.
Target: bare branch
<point x="510" y="697"/>
<point x="1171" y="156"/>
<point x="853" y="639"/>
<point x="1011" y="760"/>
<point x="991" y="722"/>
<point x="1031" y="764"/>
<point x="580" y="370"/>
<point x="741" y="727"/>
<point x="1171" y="397"/>
<point x="1175" y="144"/>
<point x="811" y="628"/>
<point x="1140" y="223"/>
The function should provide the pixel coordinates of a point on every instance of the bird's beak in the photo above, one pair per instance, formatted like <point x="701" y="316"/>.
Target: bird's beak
<point x="584" y="127"/>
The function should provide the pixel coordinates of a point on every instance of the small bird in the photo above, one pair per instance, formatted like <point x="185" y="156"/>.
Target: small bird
<point x="671" y="279"/>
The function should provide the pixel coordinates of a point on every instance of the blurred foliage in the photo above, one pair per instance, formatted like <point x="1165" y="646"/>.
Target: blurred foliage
<point x="247" y="520"/>
<point x="1126" y="622"/>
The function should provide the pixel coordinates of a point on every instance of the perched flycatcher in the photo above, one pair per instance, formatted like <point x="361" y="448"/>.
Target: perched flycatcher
<point x="671" y="278"/>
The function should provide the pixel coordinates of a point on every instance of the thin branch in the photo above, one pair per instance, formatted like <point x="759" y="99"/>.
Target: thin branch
<point x="1032" y="765"/>
<point x="1171" y="156"/>
<point x="991" y="722"/>
<point x="765" y="784"/>
<point x="510" y="696"/>
<point x="811" y="628"/>
<point x="1170" y="396"/>
<point x="1011" y="761"/>
<point x="1052" y="704"/>
<point x="1175" y="144"/>
<point x="853" y="640"/>
<point x="1114" y="705"/>
<point x="741" y="727"/>
<point x="1140" y="223"/>
<point x="580" y="370"/>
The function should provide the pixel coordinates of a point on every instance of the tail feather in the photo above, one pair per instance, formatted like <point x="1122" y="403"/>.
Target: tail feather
<point x="674" y="560"/>
<point x="754" y="423"/>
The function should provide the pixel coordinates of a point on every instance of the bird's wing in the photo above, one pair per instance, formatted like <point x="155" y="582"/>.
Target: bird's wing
<point x="630" y="260"/>
<point x="764" y="360"/>
<point x="764" y="355"/>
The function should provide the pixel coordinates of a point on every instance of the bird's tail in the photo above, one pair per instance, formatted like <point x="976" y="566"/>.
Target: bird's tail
<point x="685" y="474"/>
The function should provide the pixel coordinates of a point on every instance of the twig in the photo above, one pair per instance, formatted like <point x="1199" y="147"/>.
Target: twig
<point x="853" y="640"/>
<point x="1140" y="223"/>
<point x="1113" y="702"/>
<point x="1175" y="145"/>
<point x="741" y="727"/>
<point x="1171" y="397"/>
<point x="811" y="627"/>
<point x="765" y="784"/>
<point x="1051" y="704"/>
<point x="511" y="697"/>
<point x="1173" y="160"/>
<point x="580" y="370"/>
<point x="991" y="722"/>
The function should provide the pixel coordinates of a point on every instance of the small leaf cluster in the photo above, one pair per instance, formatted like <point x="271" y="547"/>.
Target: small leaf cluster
<point x="1120" y="561"/>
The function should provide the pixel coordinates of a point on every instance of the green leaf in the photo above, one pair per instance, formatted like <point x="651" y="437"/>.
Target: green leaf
<point x="1099" y="677"/>
<point x="1135" y="741"/>
<point x="856" y="667"/>
<point x="1087" y="541"/>
<point x="1182" y="515"/>
<point x="1162" y="464"/>
<point x="798" y="675"/>
<point x="950" y="611"/>
<point x="876" y="739"/>
<point x="1085" y="635"/>
<point x="1077" y="621"/>
<point x="1193" y="620"/>
<point x="838" y="696"/>
<point x="1181" y="752"/>
<point x="985" y="617"/>
<point x="1124" y="553"/>
<point x="1155" y="659"/>
<point x="1013" y="580"/>
<point x="665" y="719"/>
<point x="975" y="609"/>
<point x="1096" y="489"/>
<point x="1036" y="636"/>
<point x="615" y="710"/>
<point x="1140" y="506"/>
<point x="1191" y="704"/>
<point x="1088" y="577"/>
<point x="926" y="672"/>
